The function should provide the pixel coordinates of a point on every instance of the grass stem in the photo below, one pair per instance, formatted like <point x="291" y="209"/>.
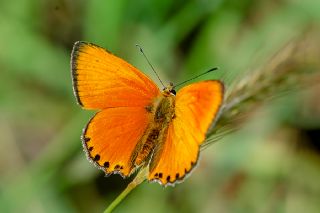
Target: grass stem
<point x="141" y="176"/>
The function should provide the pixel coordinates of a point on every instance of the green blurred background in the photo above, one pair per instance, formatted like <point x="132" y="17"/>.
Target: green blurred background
<point x="272" y="165"/>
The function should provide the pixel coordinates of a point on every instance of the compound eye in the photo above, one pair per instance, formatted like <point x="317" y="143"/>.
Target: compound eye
<point x="173" y="92"/>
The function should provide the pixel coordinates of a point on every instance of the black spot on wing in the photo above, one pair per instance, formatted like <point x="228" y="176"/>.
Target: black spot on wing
<point x="106" y="164"/>
<point x="86" y="139"/>
<point x="96" y="158"/>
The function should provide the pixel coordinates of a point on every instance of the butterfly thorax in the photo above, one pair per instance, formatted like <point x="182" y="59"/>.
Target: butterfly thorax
<point x="161" y="114"/>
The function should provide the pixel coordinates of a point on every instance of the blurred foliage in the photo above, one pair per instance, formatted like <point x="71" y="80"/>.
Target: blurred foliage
<point x="272" y="165"/>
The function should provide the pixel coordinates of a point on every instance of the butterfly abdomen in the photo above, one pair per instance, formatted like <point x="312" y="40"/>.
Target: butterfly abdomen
<point x="162" y="114"/>
<point x="148" y="146"/>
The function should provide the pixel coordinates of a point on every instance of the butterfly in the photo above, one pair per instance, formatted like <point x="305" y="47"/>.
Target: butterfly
<point x="137" y="124"/>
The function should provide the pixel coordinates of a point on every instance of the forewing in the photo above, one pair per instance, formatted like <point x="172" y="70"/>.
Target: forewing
<point x="102" y="80"/>
<point x="197" y="105"/>
<point x="111" y="136"/>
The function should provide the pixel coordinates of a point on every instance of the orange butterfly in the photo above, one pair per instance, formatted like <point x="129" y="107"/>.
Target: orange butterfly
<point x="137" y="124"/>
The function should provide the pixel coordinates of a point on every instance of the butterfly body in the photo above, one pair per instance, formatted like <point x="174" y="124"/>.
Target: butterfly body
<point x="161" y="114"/>
<point x="136" y="124"/>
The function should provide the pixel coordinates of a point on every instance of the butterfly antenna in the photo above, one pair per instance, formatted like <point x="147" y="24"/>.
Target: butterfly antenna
<point x="141" y="50"/>
<point x="213" y="69"/>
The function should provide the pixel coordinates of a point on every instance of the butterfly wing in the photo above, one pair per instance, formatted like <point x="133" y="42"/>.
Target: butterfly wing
<point x="122" y="93"/>
<point x="197" y="105"/>
<point x="102" y="80"/>
<point x="111" y="136"/>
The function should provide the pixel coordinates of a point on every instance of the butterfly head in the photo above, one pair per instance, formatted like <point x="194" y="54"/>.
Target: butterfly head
<point x="169" y="90"/>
